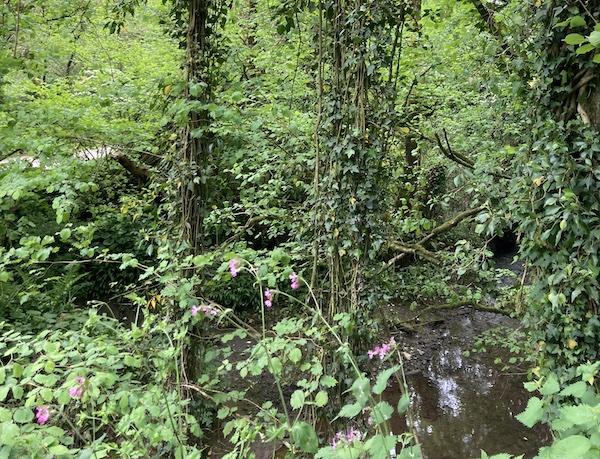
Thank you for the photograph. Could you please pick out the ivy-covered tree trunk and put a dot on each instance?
(559, 214)
(356, 120)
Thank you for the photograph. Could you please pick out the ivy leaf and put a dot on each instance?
(305, 437)
(533, 413)
(574, 39)
(382, 379)
(596, 59)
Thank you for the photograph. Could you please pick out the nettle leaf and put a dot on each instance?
(382, 412)
(328, 381)
(577, 389)
(574, 39)
(403, 403)
(382, 379)
(551, 386)
(533, 413)
(578, 415)
(321, 398)
(350, 410)
(573, 447)
(379, 446)
(297, 399)
(361, 389)
(295, 355)
(305, 437)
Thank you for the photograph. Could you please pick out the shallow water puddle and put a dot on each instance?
(461, 405)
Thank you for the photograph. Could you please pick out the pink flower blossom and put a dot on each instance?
(233, 267)
(42, 414)
(268, 298)
(207, 310)
(350, 436)
(295, 284)
(383, 349)
(76, 391)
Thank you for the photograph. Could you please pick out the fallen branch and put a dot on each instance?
(459, 157)
(415, 249)
(139, 172)
(419, 249)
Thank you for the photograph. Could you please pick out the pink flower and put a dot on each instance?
(233, 268)
(382, 350)
(350, 436)
(295, 284)
(76, 391)
(207, 310)
(268, 298)
(42, 414)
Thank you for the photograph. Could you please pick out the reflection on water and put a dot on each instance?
(461, 405)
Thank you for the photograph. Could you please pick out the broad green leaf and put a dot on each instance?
(584, 49)
(382, 412)
(573, 447)
(574, 39)
(297, 399)
(305, 437)
(382, 379)
(295, 355)
(580, 414)
(350, 410)
(361, 389)
(578, 21)
(595, 38)
(403, 403)
(379, 446)
(23, 415)
(321, 398)
(59, 450)
(533, 413)
(328, 381)
(551, 386)
(577, 389)
(596, 59)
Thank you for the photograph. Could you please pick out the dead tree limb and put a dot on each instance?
(139, 172)
(419, 247)
(459, 157)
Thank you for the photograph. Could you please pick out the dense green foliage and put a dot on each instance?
(206, 207)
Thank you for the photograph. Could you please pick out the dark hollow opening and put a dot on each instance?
(505, 244)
